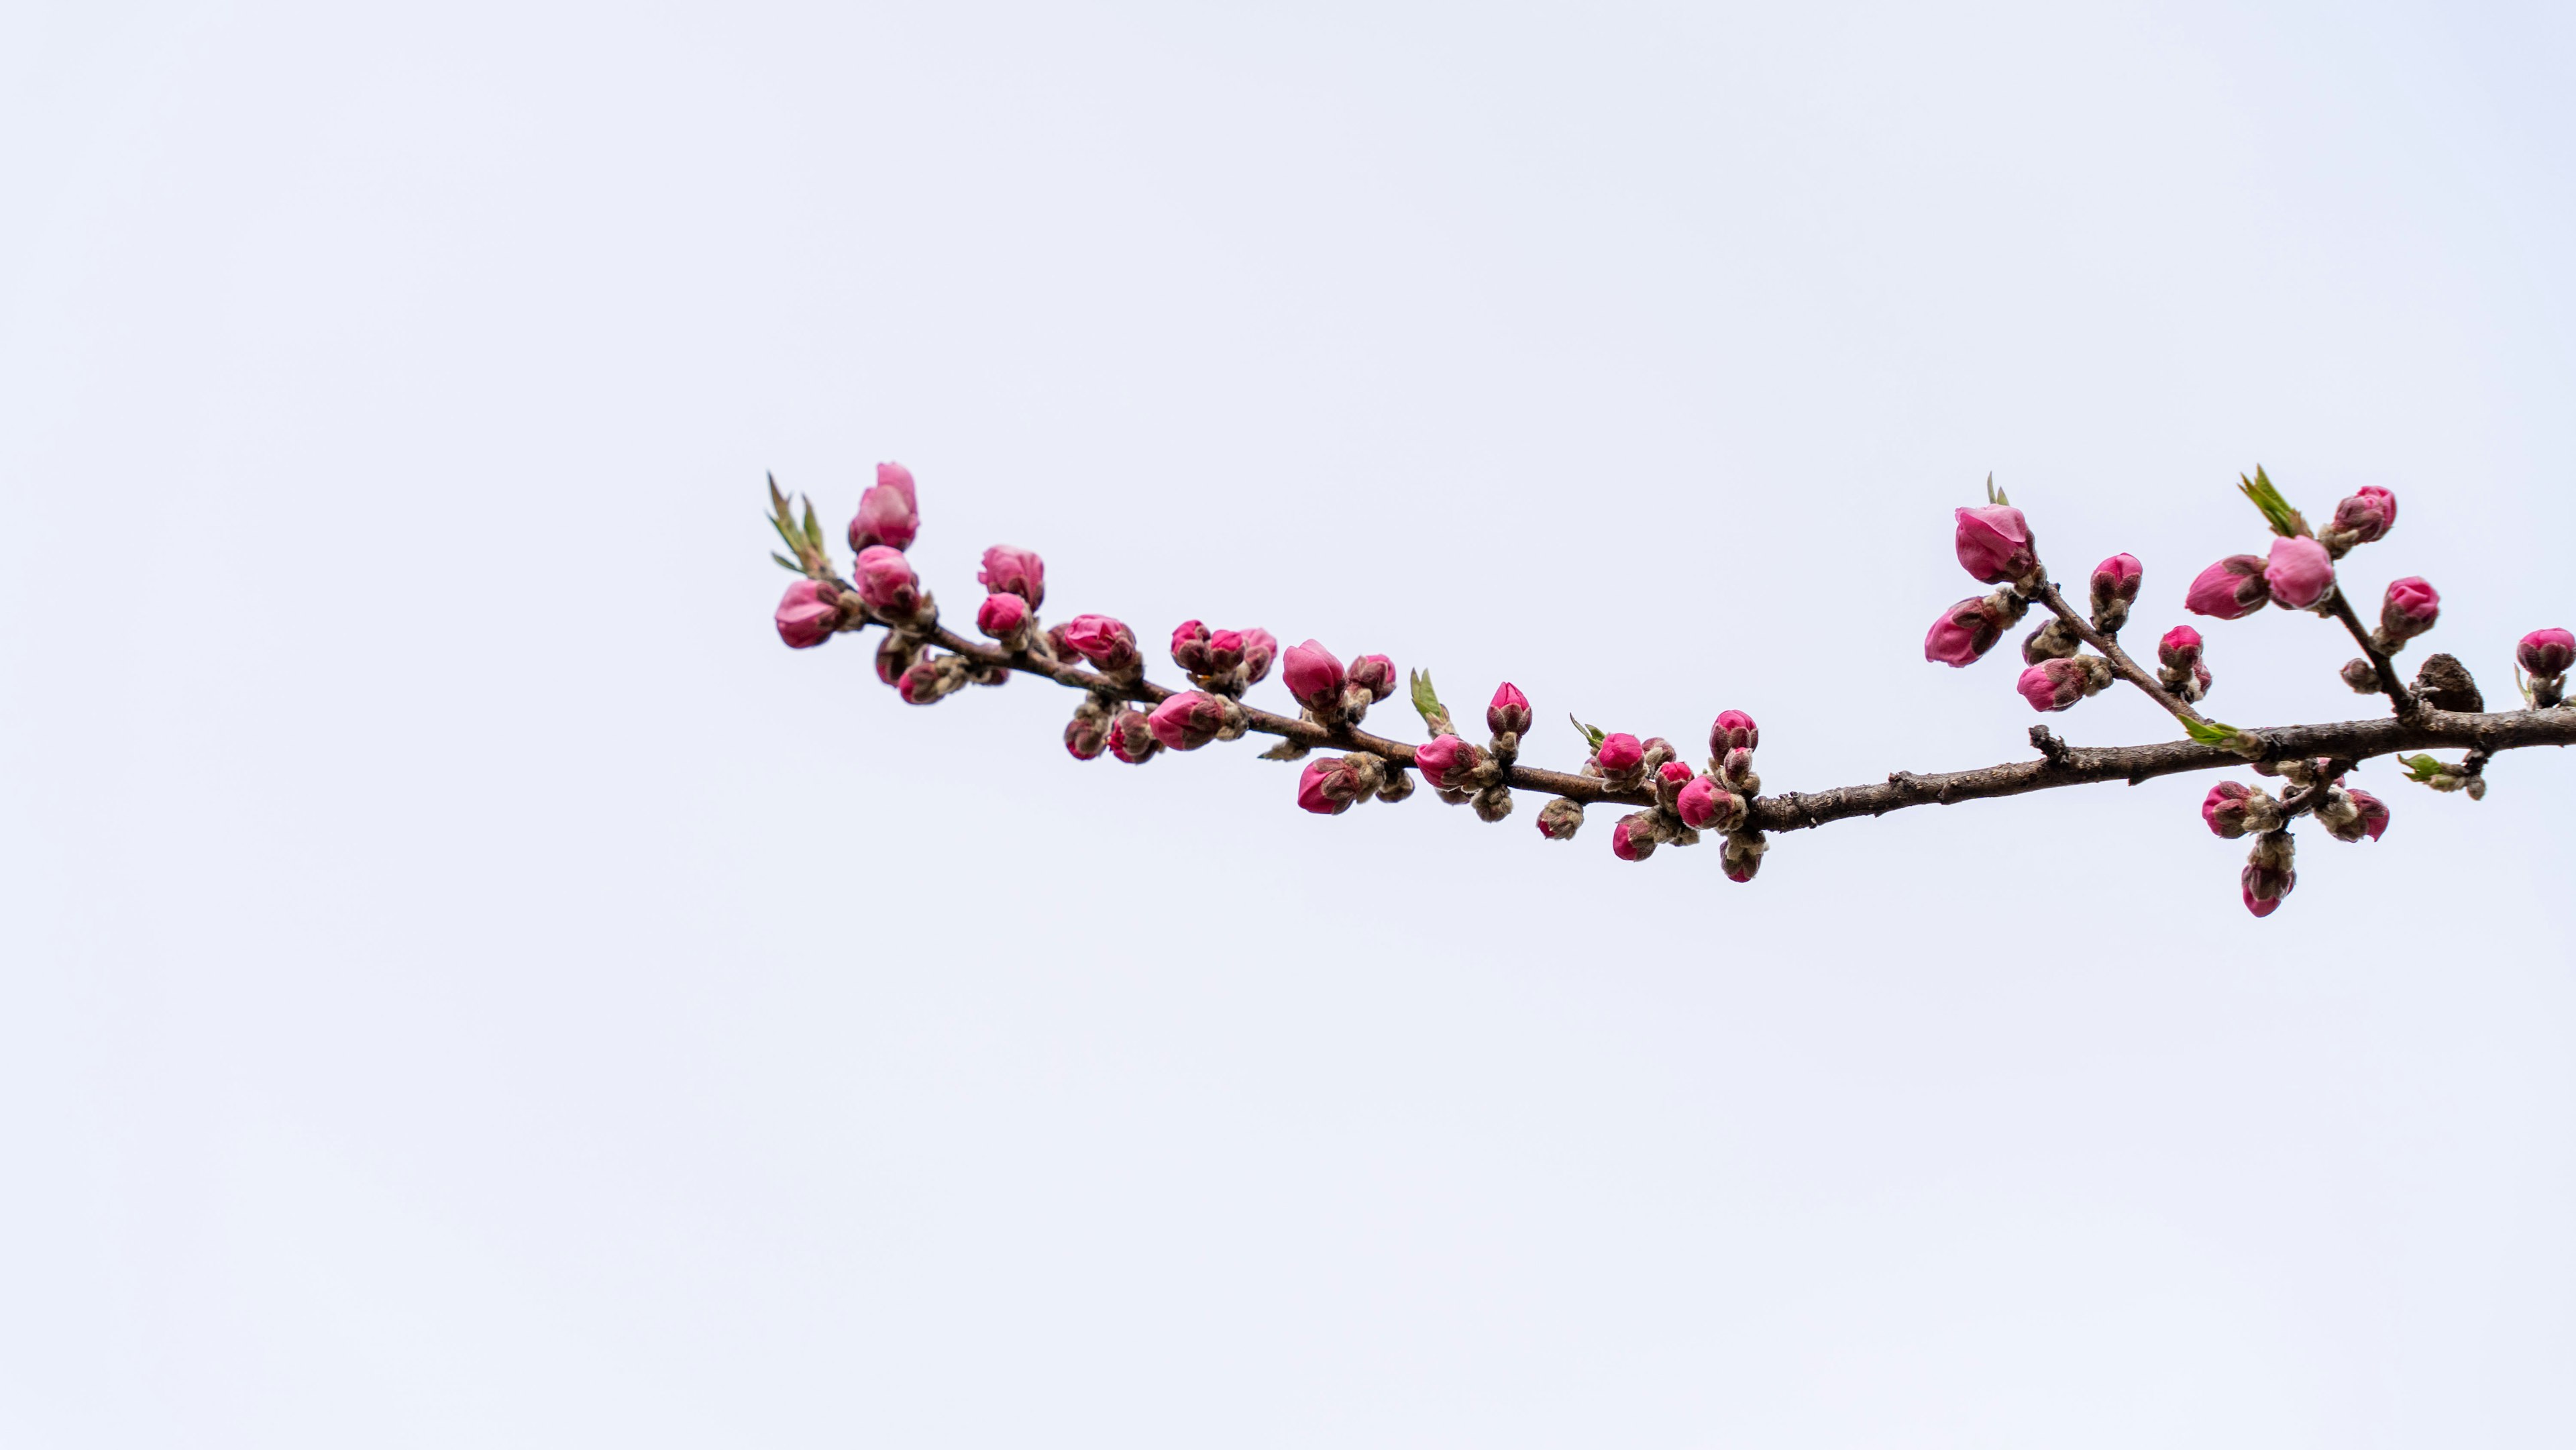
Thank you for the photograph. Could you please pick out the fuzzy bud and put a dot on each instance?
(2051, 641)
(1131, 736)
(1314, 677)
(2410, 607)
(808, 613)
(1619, 758)
(1707, 805)
(1636, 836)
(1493, 804)
(2361, 675)
(1734, 730)
(2547, 652)
(1995, 545)
(1969, 628)
(2115, 587)
(1398, 786)
(1510, 711)
(1657, 750)
(1321, 788)
(2366, 517)
(1450, 763)
(2058, 684)
(1559, 819)
(1190, 650)
(2232, 808)
(2371, 818)
(1187, 720)
(2180, 648)
(1104, 641)
(2267, 877)
(1086, 736)
(1260, 647)
(1741, 856)
(888, 512)
(887, 584)
(1375, 674)
(1002, 616)
(896, 654)
(930, 680)
(1009, 570)
(1736, 770)
(2230, 589)
(2300, 573)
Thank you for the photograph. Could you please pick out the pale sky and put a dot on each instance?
(462, 982)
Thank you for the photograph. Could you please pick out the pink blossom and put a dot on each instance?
(2368, 515)
(2546, 652)
(1001, 616)
(1190, 649)
(888, 513)
(2180, 648)
(2229, 589)
(1994, 544)
(1673, 773)
(1964, 632)
(1631, 839)
(1375, 674)
(1131, 736)
(1509, 713)
(2410, 607)
(1619, 754)
(1705, 805)
(1314, 677)
(1260, 647)
(2053, 684)
(2300, 573)
(2117, 577)
(923, 684)
(2223, 809)
(1449, 763)
(1317, 786)
(1187, 720)
(887, 583)
(1734, 730)
(807, 614)
(1014, 571)
(2265, 886)
(1102, 640)
(1085, 736)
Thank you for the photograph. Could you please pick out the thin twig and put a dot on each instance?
(2121, 665)
(2389, 683)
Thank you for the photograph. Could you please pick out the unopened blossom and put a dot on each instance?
(1102, 640)
(1449, 763)
(1190, 650)
(1969, 628)
(2367, 515)
(896, 654)
(1994, 544)
(2116, 579)
(1086, 736)
(2230, 589)
(2299, 573)
(927, 682)
(2547, 652)
(2051, 641)
(1187, 720)
(1635, 837)
(1318, 788)
(1492, 805)
(2058, 684)
(2268, 876)
(2410, 607)
(1009, 570)
(2374, 815)
(2180, 648)
(808, 613)
(1707, 805)
(1131, 736)
(888, 513)
(1733, 730)
(886, 582)
(2225, 809)
(1560, 818)
(1741, 856)
(1259, 649)
(1373, 673)
(1002, 616)
(1735, 768)
(1509, 713)
(1314, 677)
(1619, 755)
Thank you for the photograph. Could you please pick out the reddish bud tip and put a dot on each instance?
(1100, 639)
(1193, 649)
(808, 613)
(1620, 754)
(888, 513)
(1994, 544)
(2180, 648)
(886, 582)
(2547, 652)
(2116, 580)
(1509, 712)
(2368, 515)
(1314, 676)
(2299, 573)
(1373, 673)
(1002, 616)
(1009, 570)
(2410, 607)
(2230, 589)
(1187, 720)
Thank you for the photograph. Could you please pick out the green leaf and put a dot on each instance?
(1994, 494)
(1426, 702)
(1593, 735)
(813, 530)
(777, 500)
(787, 533)
(790, 565)
(2210, 732)
(2422, 769)
(2285, 520)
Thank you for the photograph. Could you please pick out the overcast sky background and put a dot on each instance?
(466, 984)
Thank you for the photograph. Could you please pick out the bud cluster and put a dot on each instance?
(1331, 694)
(1336, 783)
(1223, 661)
(1688, 802)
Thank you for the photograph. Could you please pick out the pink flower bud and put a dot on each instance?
(1187, 720)
(2180, 648)
(1131, 736)
(923, 684)
(1103, 641)
(1449, 763)
(1190, 649)
(1969, 628)
(1375, 674)
(1314, 677)
(2300, 573)
(2232, 588)
(2054, 684)
(1620, 755)
(2369, 514)
(1741, 855)
(1315, 788)
(888, 513)
(2547, 652)
(1995, 545)
(1673, 773)
(895, 655)
(2374, 811)
(1002, 616)
(1734, 730)
(2267, 877)
(1633, 839)
(1510, 711)
(1559, 819)
(887, 583)
(1085, 736)
(1706, 805)
(1014, 571)
(2410, 607)
(2117, 579)
(808, 613)
(2224, 809)
(1259, 649)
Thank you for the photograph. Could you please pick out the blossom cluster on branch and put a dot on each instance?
(2069, 657)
